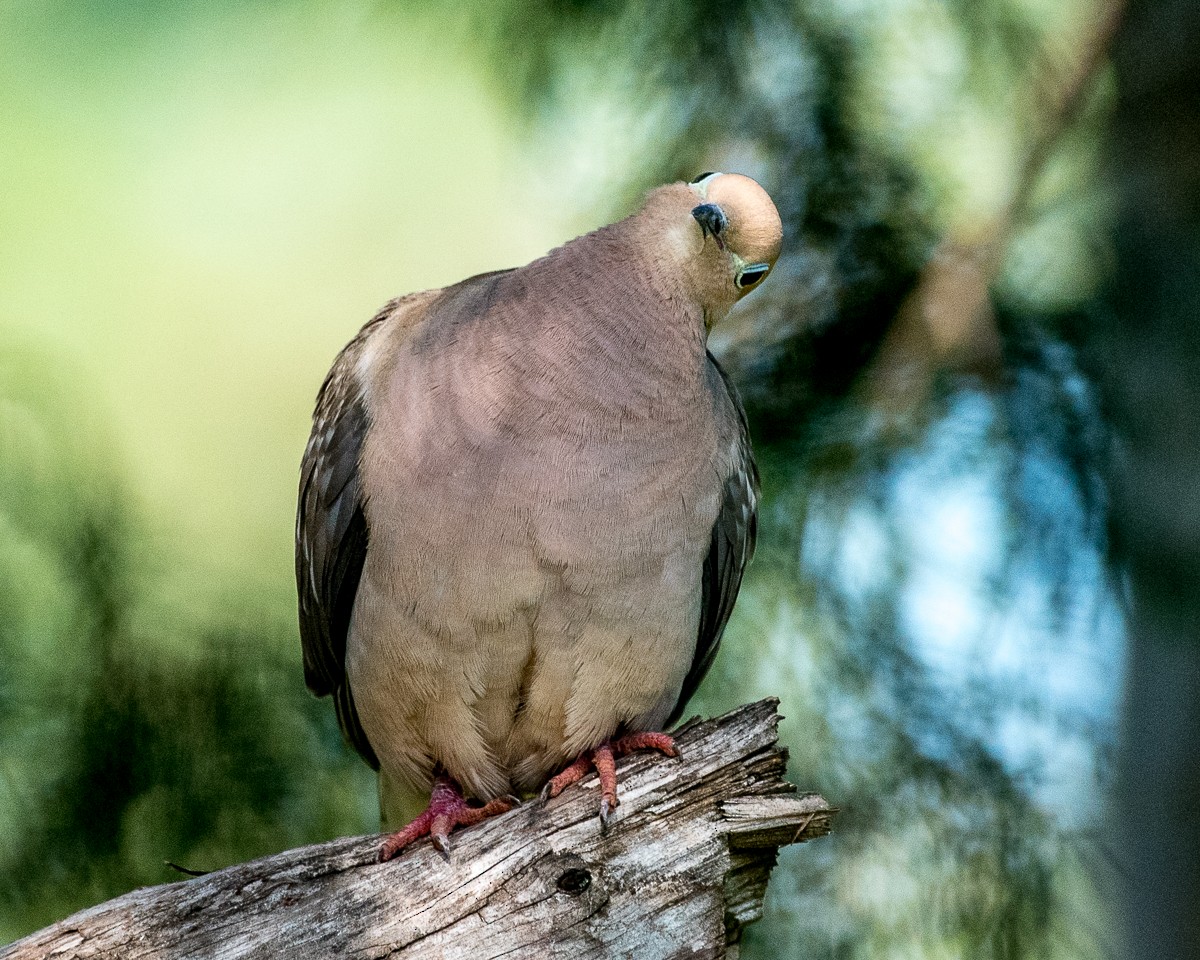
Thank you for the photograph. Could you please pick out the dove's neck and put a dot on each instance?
(609, 327)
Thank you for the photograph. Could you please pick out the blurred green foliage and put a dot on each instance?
(209, 201)
(128, 744)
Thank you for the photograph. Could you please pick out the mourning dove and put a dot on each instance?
(526, 506)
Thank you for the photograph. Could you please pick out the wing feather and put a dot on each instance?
(332, 532)
(732, 545)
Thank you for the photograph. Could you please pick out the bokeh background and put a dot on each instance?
(971, 383)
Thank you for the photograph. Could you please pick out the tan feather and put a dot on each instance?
(557, 493)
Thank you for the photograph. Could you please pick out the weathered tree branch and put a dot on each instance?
(682, 868)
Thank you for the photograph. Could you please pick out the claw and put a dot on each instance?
(447, 809)
(441, 843)
(572, 774)
(602, 759)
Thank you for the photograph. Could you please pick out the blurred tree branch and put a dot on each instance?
(947, 321)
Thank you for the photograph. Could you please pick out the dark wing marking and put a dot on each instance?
(332, 534)
(331, 524)
(732, 545)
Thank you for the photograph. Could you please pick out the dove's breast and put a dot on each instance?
(537, 537)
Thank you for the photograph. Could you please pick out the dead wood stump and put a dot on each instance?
(683, 867)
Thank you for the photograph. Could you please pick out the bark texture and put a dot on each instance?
(683, 867)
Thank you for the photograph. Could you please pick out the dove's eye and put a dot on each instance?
(751, 275)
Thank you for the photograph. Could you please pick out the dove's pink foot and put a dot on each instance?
(447, 809)
(603, 760)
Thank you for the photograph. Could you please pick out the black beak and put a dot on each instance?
(712, 221)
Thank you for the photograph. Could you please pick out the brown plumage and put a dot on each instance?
(528, 500)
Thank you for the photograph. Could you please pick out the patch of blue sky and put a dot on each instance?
(1004, 599)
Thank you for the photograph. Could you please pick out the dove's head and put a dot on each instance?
(725, 237)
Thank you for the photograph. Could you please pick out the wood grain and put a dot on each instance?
(683, 867)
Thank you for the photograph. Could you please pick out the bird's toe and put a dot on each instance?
(447, 809)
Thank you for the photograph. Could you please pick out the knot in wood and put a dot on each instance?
(574, 881)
